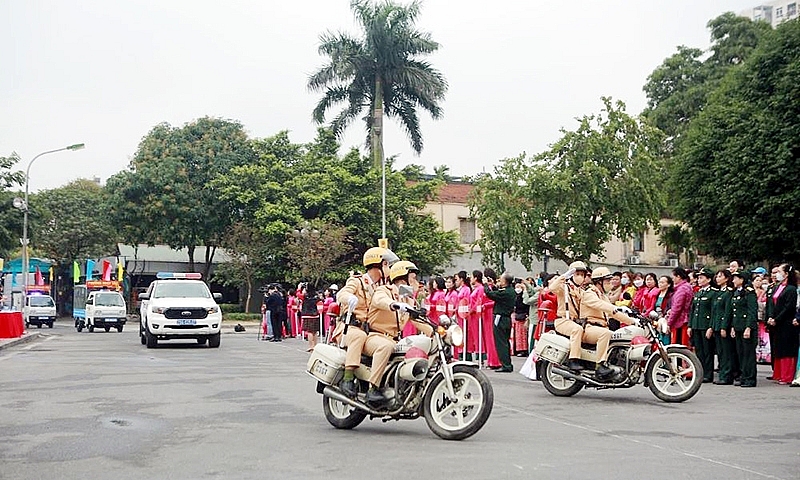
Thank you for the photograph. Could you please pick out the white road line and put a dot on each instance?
(633, 440)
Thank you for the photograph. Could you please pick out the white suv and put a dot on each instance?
(179, 305)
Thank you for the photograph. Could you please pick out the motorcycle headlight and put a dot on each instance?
(455, 336)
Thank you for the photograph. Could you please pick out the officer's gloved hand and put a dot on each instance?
(568, 274)
(352, 302)
(399, 306)
(625, 310)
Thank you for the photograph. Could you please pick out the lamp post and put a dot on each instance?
(25, 258)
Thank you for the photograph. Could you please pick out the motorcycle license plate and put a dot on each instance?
(320, 369)
(184, 321)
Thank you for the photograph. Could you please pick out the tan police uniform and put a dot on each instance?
(363, 288)
(385, 326)
(596, 308)
(567, 311)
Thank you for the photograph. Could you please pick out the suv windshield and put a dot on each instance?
(109, 300)
(178, 289)
(42, 301)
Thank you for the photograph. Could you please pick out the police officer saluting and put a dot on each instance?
(356, 296)
(700, 326)
(744, 320)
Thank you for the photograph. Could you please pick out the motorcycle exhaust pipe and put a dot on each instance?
(336, 395)
(414, 370)
(577, 378)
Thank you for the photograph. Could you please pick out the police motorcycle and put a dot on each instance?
(421, 380)
(673, 373)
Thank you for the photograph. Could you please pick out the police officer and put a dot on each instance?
(721, 323)
(700, 326)
(387, 316)
(596, 309)
(568, 291)
(356, 296)
(744, 320)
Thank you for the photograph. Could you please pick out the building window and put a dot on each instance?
(466, 228)
(791, 9)
(638, 242)
(779, 12)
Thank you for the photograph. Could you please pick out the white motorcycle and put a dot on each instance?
(672, 372)
(421, 379)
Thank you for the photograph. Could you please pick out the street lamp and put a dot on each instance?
(25, 258)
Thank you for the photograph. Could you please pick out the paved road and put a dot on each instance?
(101, 405)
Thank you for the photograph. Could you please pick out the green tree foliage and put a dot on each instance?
(315, 249)
(69, 223)
(169, 193)
(679, 88)
(736, 172)
(291, 183)
(246, 247)
(10, 217)
(600, 180)
(381, 71)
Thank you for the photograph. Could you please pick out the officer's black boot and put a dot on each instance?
(348, 384)
(575, 365)
(375, 397)
(604, 372)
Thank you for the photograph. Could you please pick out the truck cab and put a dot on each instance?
(105, 309)
(39, 309)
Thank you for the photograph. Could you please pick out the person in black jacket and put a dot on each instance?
(505, 299)
(277, 312)
(782, 324)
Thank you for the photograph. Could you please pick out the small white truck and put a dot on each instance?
(39, 309)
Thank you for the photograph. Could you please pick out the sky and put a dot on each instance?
(105, 73)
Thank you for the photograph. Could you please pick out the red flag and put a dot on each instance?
(38, 276)
(106, 271)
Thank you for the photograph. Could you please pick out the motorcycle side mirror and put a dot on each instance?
(654, 315)
(406, 291)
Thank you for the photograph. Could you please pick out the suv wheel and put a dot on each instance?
(141, 335)
(213, 340)
(150, 340)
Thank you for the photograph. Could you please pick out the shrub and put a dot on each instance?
(241, 317)
(230, 307)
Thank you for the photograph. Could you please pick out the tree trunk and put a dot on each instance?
(249, 295)
(376, 136)
(210, 252)
(190, 250)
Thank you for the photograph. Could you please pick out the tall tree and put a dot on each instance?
(380, 71)
(10, 218)
(600, 180)
(172, 176)
(314, 249)
(736, 172)
(246, 247)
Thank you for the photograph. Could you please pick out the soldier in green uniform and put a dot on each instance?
(700, 331)
(744, 319)
(721, 323)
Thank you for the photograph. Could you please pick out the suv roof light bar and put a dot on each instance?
(175, 275)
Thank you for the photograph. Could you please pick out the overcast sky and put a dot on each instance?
(105, 72)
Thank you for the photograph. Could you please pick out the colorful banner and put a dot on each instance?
(52, 273)
(106, 275)
(119, 270)
(38, 279)
(89, 270)
(76, 273)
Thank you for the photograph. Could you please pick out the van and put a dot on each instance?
(105, 309)
(39, 310)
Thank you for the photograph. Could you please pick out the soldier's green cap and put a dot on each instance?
(744, 275)
(706, 272)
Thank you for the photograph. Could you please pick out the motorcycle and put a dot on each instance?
(421, 379)
(673, 373)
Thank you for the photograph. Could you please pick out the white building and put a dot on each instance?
(774, 13)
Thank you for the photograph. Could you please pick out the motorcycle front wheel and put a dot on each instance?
(555, 383)
(341, 415)
(463, 418)
(679, 387)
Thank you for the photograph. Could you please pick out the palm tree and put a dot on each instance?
(380, 70)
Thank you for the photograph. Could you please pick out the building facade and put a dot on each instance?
(774, 13)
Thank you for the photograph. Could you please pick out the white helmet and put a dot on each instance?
(333, 287)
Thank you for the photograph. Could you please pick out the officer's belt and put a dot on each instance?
(596, 322)
(359, 324)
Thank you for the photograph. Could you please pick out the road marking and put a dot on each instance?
(633, 440)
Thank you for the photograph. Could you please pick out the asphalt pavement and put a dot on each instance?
(101, 405)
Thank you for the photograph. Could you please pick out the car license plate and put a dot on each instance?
(186, 321)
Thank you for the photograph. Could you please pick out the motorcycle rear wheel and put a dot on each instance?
(555, 383)
(341, 415)
(684, 385)
(457, 421)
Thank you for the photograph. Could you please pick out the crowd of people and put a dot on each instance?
(735, 316)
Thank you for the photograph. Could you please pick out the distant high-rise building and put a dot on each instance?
(774, 13)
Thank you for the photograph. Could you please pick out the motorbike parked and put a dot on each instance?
(421, 379)
(673, 373)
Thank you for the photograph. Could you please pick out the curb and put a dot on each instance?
(25, 338)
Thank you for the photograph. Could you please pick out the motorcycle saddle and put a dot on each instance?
(585, 346)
